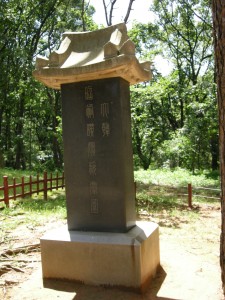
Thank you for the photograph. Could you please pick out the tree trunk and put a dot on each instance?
(218, 9)
(109, 8)
(145, 161)
(54, 100)
(214, 147)
(20, 158)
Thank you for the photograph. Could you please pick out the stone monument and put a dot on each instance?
(103, 244)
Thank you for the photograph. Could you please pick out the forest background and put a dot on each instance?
(174, 117)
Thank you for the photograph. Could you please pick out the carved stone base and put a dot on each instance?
(128, 260)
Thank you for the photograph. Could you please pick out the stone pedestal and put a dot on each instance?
(128, 260)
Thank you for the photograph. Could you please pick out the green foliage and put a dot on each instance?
(148, 122)
(178, 177)
(174, 118)
(29, 112)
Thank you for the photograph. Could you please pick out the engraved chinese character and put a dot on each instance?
(94, 206)
(90, 129)
(90, 111)
(93, 188)
(105, 129)
(91, 149)
(105, 110)
(92, 168)
(88, 93)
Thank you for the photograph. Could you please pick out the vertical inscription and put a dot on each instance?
(105, 126)
(94, 206)
(88, 91)
(105, 110)
(105, 129)
(90, 129)
(90, 111)
(102, 110)
(93, 188)
(91, 148)
(92, 168)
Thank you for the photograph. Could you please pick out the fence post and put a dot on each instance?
(45, 185)
(37, 184)
(57, 181)
(190, 195)
(14, 188)
(22, 186)
(51, 182)
(6, 190)
(30, 184)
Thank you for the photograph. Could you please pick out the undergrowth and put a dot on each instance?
(158, 191)
(177, 178)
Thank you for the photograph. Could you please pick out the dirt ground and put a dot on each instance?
(189, 250)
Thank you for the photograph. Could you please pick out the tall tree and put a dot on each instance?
(185, 27)
(182, 33)
(28, 28)
(218, 8)
(109, 8)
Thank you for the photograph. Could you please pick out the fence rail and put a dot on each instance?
(34, 185)
(190, 193)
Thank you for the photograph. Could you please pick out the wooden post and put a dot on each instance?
(6, 190)
(57, 181)
(38, 184)
(51, 182)
(22, 187)
(190, 195)
(30, 183)
(45, 185)
(14, 188)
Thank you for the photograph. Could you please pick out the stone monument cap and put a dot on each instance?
(92, 55)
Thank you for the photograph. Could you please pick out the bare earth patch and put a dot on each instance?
(189, 249)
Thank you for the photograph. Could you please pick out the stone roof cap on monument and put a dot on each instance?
(92, 55)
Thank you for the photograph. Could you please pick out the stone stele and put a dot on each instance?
(103, 244)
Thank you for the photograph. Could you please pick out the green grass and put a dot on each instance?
(17, 175)
(177, 178)
(164, 181)
(11, 173)
(153, 198)
(163, 190)
(33, 211)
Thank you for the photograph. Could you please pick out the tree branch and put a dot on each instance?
(128, 11)
(82, 15)
(113, 2)
(105, 9)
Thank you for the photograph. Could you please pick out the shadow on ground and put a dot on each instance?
(84, 292)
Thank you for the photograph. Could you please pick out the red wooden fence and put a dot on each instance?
(190, 193)
(34, 185)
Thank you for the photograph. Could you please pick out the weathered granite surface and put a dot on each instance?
(98, 155)
(129, 260)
